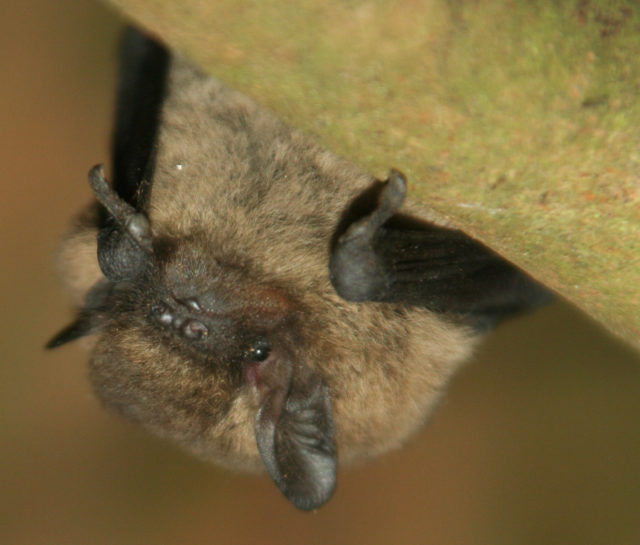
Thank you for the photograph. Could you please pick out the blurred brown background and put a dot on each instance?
(538, 441)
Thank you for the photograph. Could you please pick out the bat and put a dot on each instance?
(259, 300)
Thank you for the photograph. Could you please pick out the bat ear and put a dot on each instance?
(294, 433)
(124, 243)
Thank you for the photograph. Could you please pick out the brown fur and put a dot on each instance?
(252, 207)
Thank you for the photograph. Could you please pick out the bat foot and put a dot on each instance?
(389, 201)
(357, 272)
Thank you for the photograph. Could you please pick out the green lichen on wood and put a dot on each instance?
(518, 121)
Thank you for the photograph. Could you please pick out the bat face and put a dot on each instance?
(197, 346)
(211, 306)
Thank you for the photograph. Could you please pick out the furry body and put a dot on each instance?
(243, 214)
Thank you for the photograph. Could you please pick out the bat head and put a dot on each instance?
(195, 348)
(210, 309)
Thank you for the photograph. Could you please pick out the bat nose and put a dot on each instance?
(194, 329)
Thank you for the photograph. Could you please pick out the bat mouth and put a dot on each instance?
(181, 323)
(205, 331)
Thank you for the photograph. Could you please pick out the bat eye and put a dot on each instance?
(259, 351)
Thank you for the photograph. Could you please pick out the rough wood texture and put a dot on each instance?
(517, 121)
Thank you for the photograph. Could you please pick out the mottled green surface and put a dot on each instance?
(518, 121)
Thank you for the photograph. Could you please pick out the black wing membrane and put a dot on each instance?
(141, 90)
(386, 258)
(124, 237)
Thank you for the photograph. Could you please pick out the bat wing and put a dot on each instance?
(387, 258)
(124, 238)
(141, 90)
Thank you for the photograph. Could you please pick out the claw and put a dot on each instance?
(389, 201)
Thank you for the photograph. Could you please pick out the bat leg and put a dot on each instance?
(385, 257)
